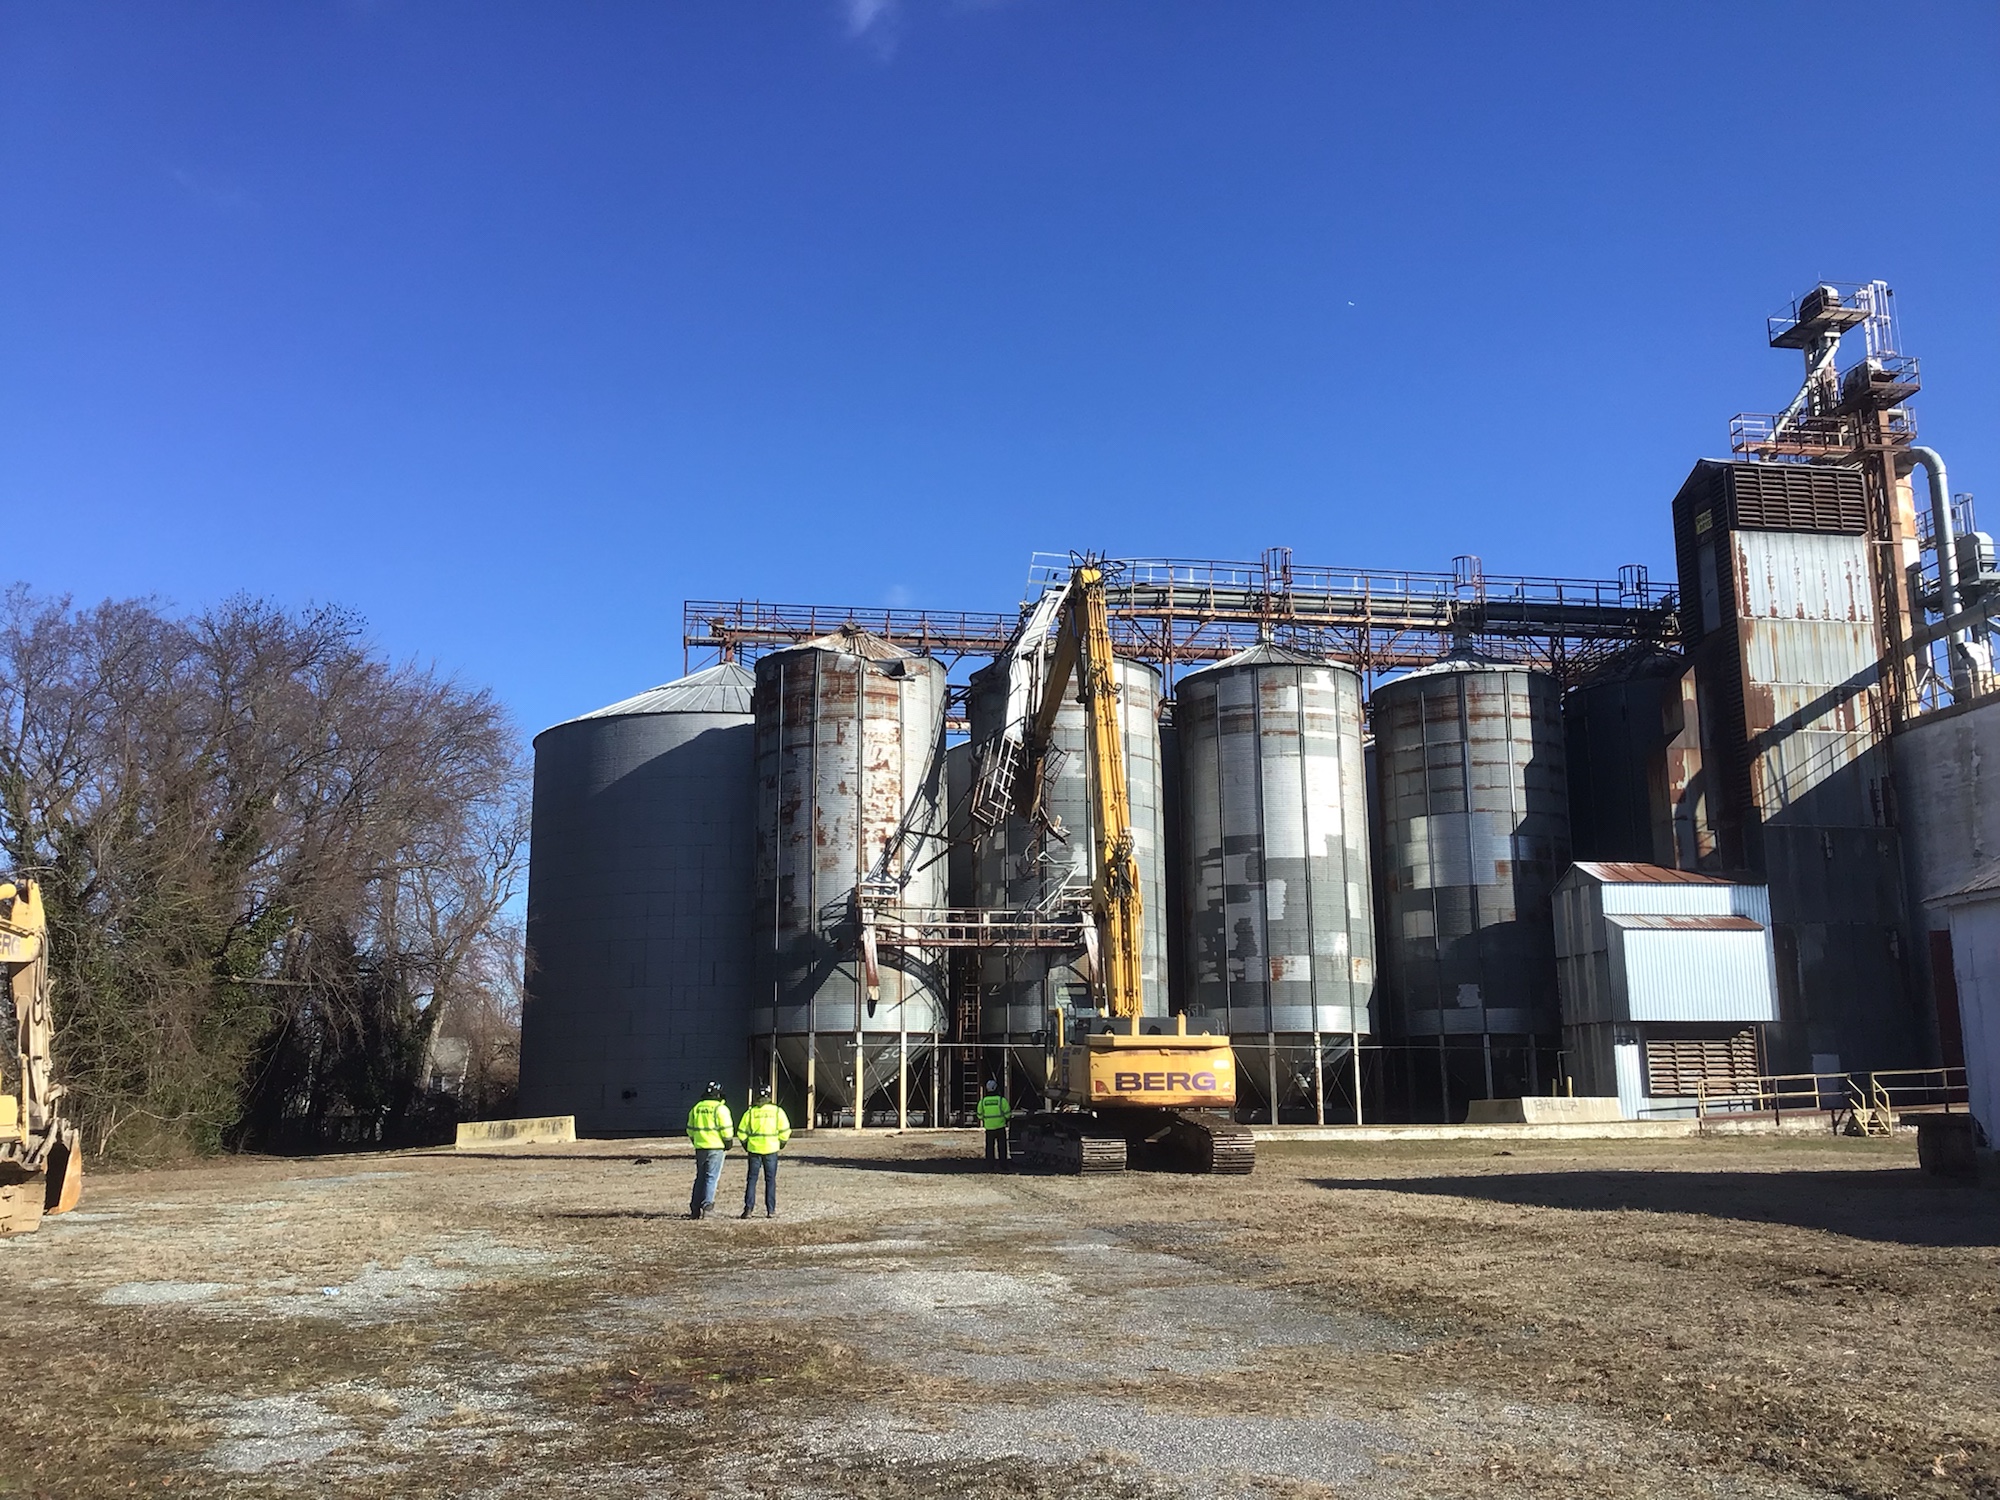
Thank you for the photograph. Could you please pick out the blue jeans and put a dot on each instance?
(707, 1175)
(767, 1162)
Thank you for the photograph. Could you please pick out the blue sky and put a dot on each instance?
(511, 325)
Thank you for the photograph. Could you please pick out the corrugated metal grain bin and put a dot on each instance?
(1475, 829)
(1667, 977)
(850, 788)
(1019, 867)
(640, 957)
(1279, 945)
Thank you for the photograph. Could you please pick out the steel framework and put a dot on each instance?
(1174, 613)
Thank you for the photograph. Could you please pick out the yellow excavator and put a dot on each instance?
(1123, 1090)
(41, 1169)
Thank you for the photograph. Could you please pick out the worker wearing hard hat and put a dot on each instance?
(709, 1128)
(764, 1132)
(994, 1113)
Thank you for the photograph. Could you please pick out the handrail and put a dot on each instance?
(1890, 1091)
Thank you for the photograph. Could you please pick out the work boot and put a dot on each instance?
(769, 1213)
(745, 1214)
(694, 1213)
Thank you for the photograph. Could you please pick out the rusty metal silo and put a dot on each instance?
(850, 808)
(1474, 801)
(1279, 943)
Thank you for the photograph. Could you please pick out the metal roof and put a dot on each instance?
(1682, 922)
(721, 689)
(1265, 654)
(1982, 886)
(852, 640)
(1614, 872)
(1466, 661)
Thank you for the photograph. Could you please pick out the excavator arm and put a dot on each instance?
(1082, 649)
(41, 1169)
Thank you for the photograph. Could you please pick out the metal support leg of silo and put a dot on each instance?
(902, 1080)
(812, 1080)
(860, 1077)
(1354, 1051)
(1319, 1084)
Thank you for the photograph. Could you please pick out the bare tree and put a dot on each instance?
(274, 860)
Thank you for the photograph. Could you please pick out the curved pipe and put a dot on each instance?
(1946, 542)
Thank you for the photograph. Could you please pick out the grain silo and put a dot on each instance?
(850, 798)
(1474, 824)
(1279, 941)
(1019, 867)
(639, 895)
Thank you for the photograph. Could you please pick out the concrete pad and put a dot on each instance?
(1606, 1130)
(1591, 1109)
(546, 1130)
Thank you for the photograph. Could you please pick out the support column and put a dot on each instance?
(903, 1080)
(1355, 1053)
(860, 1076)
(1319, 1083)
(812, 1080)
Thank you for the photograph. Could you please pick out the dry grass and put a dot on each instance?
(1735, 1318)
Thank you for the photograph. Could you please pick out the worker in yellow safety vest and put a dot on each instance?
(764, 1132)
(709, 1129)
(994, 1113)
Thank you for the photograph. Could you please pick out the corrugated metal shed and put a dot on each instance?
(1974, 910)
(1639, 943)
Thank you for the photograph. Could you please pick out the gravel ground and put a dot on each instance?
(1738, 1318)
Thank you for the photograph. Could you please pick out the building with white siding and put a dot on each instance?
(1667, 979)
(1974, 912)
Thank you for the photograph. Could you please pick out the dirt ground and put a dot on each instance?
(1752, 1317)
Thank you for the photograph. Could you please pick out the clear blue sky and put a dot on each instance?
(513, 325)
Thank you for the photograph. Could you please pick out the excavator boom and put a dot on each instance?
(1083, 650)
(1161, 1098)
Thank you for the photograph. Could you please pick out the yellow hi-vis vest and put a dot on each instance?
(708, 1125)
(764, 1129)
(994, 1112)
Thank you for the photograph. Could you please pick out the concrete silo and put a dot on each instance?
(1474, 802)
(1279, 941)
(639, 898)
(850, 773)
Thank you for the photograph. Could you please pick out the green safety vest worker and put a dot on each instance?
(765, 1129)
(709, 1125)
(994, 1111)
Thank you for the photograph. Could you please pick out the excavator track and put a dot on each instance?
(1198, 1141)
(1073, 1144)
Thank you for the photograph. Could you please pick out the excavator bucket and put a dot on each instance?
(65, 1169)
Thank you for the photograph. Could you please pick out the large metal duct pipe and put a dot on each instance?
(1957, 650)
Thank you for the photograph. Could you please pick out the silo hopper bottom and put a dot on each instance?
(823, 1066)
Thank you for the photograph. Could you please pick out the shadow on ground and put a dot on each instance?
(920, 1166)
(1897, 1207)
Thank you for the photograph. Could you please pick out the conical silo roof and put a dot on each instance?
(1466, 661)
(852, 640)
(721, 689)
(1264, 654)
